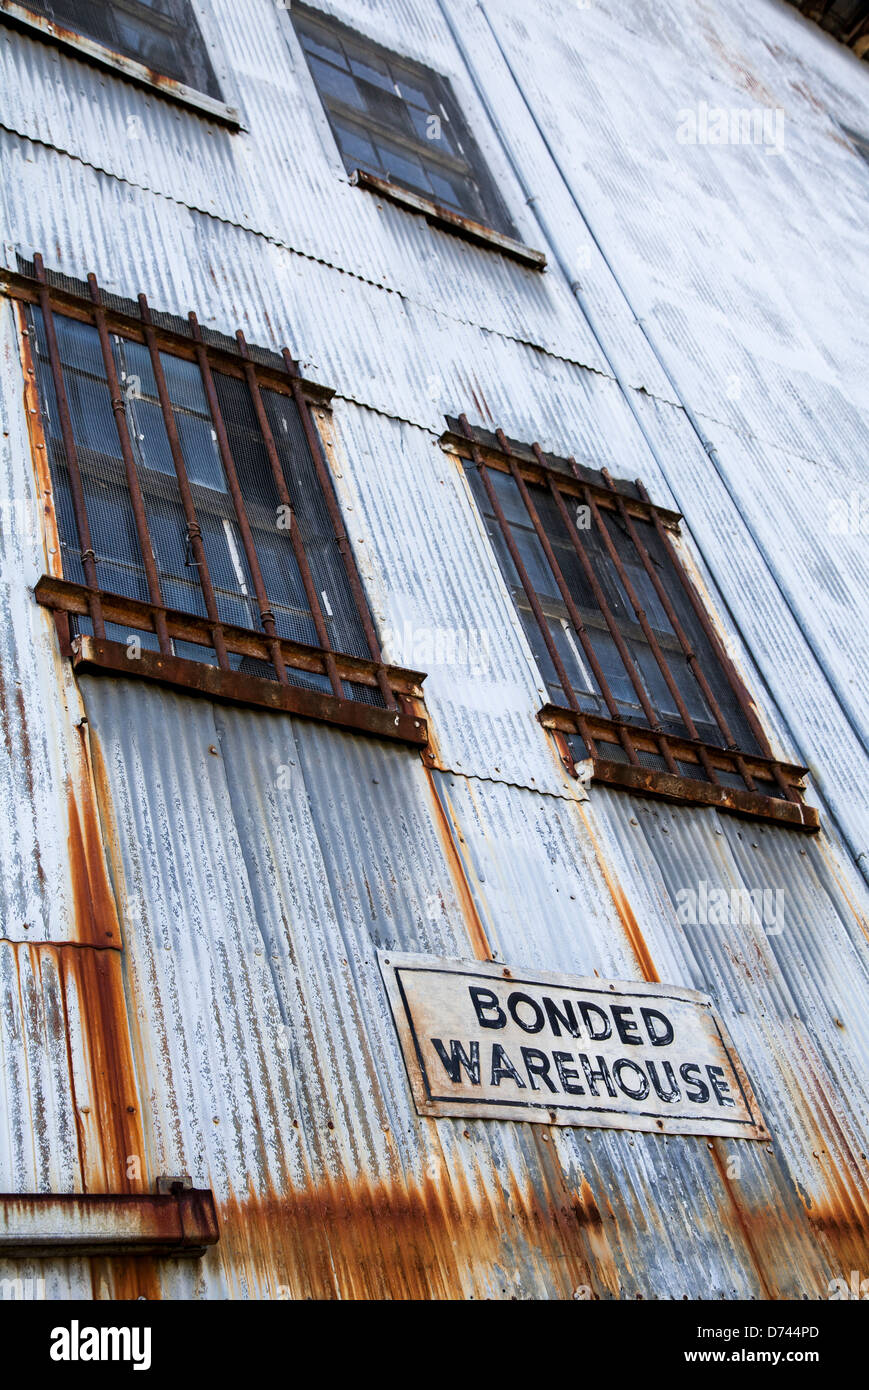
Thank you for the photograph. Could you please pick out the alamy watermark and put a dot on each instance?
(424, 647)
(735, 907)
(732, 125)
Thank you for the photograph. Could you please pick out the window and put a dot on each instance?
(199, 537)
(638, 681)
(161, 35)
(394, 119)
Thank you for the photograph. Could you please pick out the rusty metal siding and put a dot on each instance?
(251, 864)
(268, 872)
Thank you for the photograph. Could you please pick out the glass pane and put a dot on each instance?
(322, 44)
(374, 70)
(332, 82)
(356, 148)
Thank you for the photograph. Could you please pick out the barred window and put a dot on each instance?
(162, 35)
(195, 517)
(638, 680)
(396, 119)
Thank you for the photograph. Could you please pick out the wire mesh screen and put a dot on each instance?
(618, 634)
(229, 558)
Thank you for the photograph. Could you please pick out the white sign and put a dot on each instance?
(482, 1040)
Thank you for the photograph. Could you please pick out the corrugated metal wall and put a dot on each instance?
(251, 864)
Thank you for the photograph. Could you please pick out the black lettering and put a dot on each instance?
(537, 1064)
(484, 1001)
(457, 1059)
(672, 1093)
(586, 1010)
(658, 1039)
(701, 1095)
(556, 1017)
(502, 1066)
(513, 1002)
(720, 1086)
(643, 1088)
(592, 1076)
(567, 1073)
(626, 1028)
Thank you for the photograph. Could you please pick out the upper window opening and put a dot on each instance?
(399, 121)
(195, 518)
(162, 35)
(637, 677)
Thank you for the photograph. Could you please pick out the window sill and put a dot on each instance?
(647, 781)
(41, 27)
(685, 789)
(90, 654)
(440, 216)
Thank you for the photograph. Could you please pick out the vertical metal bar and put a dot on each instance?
(194, 531)
(324, 478)
(608, 617)
(718, 648)
(308, 584)
(654, 647)
(570, 605)
(267, 617)
(134, 487)
(681, 636)
(530, 594)
(76, 487)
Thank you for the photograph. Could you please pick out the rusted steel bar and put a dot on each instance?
(530, 594)
(645, 627)
(718, 647)
(606, 612)
(327, 489)
(573, 611)
(76, 487)
(307, 578)
(267, 617)
(681, 636)
(194, 532)
(65, 596)
(134, 486)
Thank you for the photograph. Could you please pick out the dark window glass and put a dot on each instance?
(621, 610)
(119, 563)
(395, 119)
(161, 34)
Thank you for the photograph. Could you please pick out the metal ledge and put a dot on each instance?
(651, 782)
(196, 678)
(40, 26)
(46, 1224)
(450, 221)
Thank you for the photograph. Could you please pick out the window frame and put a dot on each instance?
(568, 721)
(471, 166)
(21, 17)
(403, 717)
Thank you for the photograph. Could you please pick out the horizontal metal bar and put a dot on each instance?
(466, 227)
(650, 782)
(47, 1224)
(231, 687)
(535, 472)
(62, 595)
(685, 749)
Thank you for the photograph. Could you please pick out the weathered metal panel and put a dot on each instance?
(258, 862)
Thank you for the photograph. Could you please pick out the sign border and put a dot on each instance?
(393, 963)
